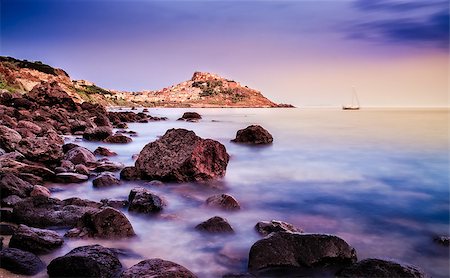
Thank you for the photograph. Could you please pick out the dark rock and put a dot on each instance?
(191, 116)
(6, 214)
(20, 262)
(35, 240)
(215, 224)
(266, 227)
(253, 134)
(86, 261)
(182, 156)
(104, 152)
(41, 149)
(7, 229)
(80, 155)
(144, 201)
(10, 201)
(239, 275)
(285, 249)
(442, 240)
(67, 147)
(223, 201)
(122, 125)
(157, 268)
(129, 173)
(52, 95)
(118, 139)
(97, 134)
(117, 204)
(381, 268)
(12, 185)
(82, 169)
(70, 178)
(105, 179)
(106, 223)
(9, 138)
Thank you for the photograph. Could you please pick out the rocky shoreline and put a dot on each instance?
(34, 154)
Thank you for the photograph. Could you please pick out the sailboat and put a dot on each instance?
(355, 102)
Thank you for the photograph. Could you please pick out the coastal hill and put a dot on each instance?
(202, 90)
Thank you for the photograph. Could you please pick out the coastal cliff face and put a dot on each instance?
(202, 90)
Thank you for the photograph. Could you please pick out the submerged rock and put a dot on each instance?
(104, 152)
(285, 249)
(182, 156)
(215, 224)
(253, 134)
(191, 117)
(382, 269)
(20, 262)
(267, 227)
(97, 134)
(223, 201)
(157, 268)
(129, 173)
(38, 241)
(118, 139)
(86, 261)
(105, 179)
(144, 201)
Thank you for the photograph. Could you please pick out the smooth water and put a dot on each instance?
(377, 178)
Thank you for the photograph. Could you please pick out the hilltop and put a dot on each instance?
(202, 90)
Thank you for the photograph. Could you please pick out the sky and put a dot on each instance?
(307, 53)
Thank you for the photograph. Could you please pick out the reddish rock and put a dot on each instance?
(144, 201)
(157, 268)
(80, 155)
(52, 95)
(9, 138)
(41, 149)
(12, 185)
(215, 224)
(97, 134)
(104, 152)
(223, 201)
(118, 139)
(182, 156)
(266, 227)
(105, 180)
(253, 134)
(129, 173)
(70, 178)
(39, 190)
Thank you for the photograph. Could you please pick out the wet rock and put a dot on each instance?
(223, 201)
(144, 201)
(157, 268)
(80, 155)
(45, 212)
(9, 138)
(381, 268)
(105, 180)
(108, 166)
(215, 224)
(106, 223)
(41, 149)
(39, 190)
(86, 261)
(10, 201)
(97, 134)
(70, 178)
(266, 227)
(118, 139)
(12, 185)
(37, 241)
(442, 240)
(20, 262)
(253, 134)
(82, 169)
(129, 173)
(182, 156)
(285, 249)
(67, 147)
(104, 152)
(117, 204)
(191, 116)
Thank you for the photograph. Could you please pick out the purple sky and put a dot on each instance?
(302, 52)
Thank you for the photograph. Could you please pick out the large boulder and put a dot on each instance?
(52, 95)
(157, 268)
(86, 261)
(223, 201)
(382, 269)
(142, 200)
(215, 224)
(12, 185)
(106, 223)
(79, 155)
(285, 249)
(182, 156)
(44, 212)
(266, 227)
(253, 134)
(9, 138)
(20, 262)
(97, 134)
(39, 190)
(38, 241)
(41, 149)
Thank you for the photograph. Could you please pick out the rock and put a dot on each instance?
(44, 212)
(118, 139)
(34, 128)
(86, 261)
(442, 240)
(215, 224)
(117, 204)
(239, 275)
(41, 149)
(122, 125)
(106, 223)
(39, 190)
(109, 166)
(68, 165)
(381, 268)
(285, 249)
(253, 134)
(20, 262)
(52, 95)
(12, 185)
(191, 116)
(7, 229)
(37, 241)
(11, 201)
(1, 242)
(82, 169)
(80, 155)
(155, 183)
(266, 227)
(157, 268)
(182, 156)
(144, 201)
(9, 138)
(97, 134)
(67, 147)
(70, 178)
(6, 214)
(105, 179)
(223, 201)
(129, 173)
(104, 152)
